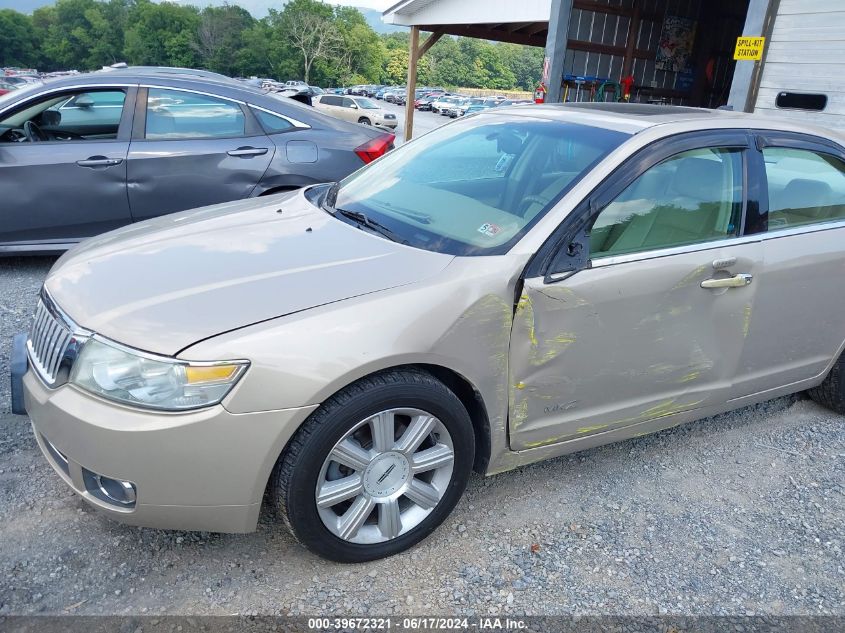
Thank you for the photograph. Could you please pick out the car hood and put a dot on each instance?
(164, 284)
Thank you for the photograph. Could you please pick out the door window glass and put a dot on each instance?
(69, 116)
(692, 197)
(175, 114)
(348, 103)
(804, 187)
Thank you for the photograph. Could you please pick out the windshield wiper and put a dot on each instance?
(363, 220)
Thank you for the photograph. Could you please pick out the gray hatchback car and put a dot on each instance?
(87, 154)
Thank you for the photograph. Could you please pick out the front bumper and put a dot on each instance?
(201, 470)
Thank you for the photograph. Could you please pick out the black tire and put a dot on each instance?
(831, 393)
(364, 121)
(295, 476)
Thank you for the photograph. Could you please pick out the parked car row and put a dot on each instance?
(455, 105)
(393, 94)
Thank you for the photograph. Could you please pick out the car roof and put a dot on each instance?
(633, 118)
(225, 87)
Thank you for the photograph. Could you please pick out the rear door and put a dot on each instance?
(191, 149)
(69, 183)
(796, 325)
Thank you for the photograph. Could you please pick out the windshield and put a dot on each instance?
(367, 104)
(475, 187)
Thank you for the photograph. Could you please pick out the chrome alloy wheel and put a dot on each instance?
(385, 476)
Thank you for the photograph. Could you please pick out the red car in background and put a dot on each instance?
(5, 87)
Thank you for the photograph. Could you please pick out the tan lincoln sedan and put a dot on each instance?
(514, 286)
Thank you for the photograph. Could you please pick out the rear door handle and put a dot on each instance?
(99, 161)
(737, 281)
(247, 151)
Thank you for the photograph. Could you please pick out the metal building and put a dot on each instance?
(669, 51)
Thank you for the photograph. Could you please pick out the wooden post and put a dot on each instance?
(413, 56)
(630, 44)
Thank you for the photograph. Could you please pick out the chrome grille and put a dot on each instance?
(48, 341)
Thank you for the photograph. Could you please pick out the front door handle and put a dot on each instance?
(737, 281)
(247, 151)
(99, 161)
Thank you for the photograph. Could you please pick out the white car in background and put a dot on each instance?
(357, 109)
(442, 103)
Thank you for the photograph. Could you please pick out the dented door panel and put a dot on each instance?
(621, 344)
(165, 176)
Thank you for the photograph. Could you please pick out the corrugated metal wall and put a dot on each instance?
(807, 54)
(594, 26)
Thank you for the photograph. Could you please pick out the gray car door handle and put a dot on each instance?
(737, 281)
(99, 161)
(247, 151)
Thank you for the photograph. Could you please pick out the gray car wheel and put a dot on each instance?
(364, 121)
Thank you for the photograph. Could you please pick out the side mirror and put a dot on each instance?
(354, 106)
(572, 255)
(84, 101)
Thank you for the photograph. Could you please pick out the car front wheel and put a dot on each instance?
(364, 121)
(376, 468)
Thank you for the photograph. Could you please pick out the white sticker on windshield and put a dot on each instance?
(490, 230)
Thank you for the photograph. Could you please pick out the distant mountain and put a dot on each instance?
(258, 8)
(24, 6)
(373, 18)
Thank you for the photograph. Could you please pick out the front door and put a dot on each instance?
(655, 324)
(63, 167)
(193, 150)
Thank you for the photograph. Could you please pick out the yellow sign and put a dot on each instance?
(749, 48)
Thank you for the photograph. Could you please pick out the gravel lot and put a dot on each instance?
(737, 514)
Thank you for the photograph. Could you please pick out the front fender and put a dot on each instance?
(459, 320)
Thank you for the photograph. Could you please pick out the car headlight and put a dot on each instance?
(140, 379)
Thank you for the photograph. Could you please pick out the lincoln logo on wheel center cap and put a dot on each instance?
(386, 474)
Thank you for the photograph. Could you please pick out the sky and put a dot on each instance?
(381, 5)
(257, 7)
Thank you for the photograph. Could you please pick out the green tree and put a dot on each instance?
(360, 54)
(257, 52)
(306, 29)
(307, 38)
(18, 41)
(80, 34)
(525, 62)
(162, 34)
(219, 36)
